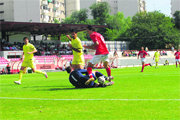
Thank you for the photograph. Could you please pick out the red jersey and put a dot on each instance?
(142, 54)
(101, 49)
(177, 54)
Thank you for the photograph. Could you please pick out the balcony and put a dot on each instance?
(46, 20)
(56, 5)
(44, 2)
(57, 14)
(45, 11)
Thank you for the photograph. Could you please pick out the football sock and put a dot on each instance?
(38, 71)
(108, 70)
(156, 64)
(142, 68)
(147, 64)
(176, 64)
(89, 70)
(20, 75)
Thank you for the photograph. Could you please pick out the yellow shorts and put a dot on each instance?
(29, 63)
(156, 59)
(78, 60)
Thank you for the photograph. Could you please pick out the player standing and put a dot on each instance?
(28, 55)
(78, 57)
(142, 55)
(101, 53)
(156, 56)
(177, 58)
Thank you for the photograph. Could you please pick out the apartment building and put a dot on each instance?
(32, 10)
(175, 6)
(128, 7)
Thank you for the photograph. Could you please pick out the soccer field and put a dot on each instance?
(151, 95)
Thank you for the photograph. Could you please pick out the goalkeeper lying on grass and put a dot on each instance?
(79, 77)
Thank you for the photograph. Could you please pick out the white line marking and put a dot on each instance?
(51, 99)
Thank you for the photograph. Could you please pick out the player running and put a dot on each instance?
(78, 57)
(142, 55)
(177, 58)
(156, 56)
(101, 53)
(28, 51)
(79, 77)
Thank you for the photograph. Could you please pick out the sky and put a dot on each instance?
(163, 6)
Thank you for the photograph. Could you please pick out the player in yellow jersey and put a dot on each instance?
(156, 56)
(28, 51)
(78, 57)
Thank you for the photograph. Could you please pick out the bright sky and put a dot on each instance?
(163, 6)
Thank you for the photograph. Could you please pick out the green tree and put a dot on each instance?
(153, 30)
(77, 17)
(177, 19)
(117, 26)
(100, 11)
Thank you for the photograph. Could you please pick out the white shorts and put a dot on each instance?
(143, 59)
(177, 60)
(98, 58)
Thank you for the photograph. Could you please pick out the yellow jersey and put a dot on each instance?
(28, 48)
(76, 43)
(156, 54)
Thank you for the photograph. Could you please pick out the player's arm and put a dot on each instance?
(69, 37)
(34, 51)
(138, 56)
(93, 46)
(22, 57)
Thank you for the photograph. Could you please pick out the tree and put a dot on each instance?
(117, 25)
(77, 17)
(100, 11)
(153, 30)
(177, 19)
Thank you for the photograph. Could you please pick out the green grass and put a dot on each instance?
(130, 83)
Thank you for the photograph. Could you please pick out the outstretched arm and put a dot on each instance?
(93, 46)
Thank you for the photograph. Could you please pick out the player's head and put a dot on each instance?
(142, 48)
(74, 34)
(26, 40)
(90, 29)
(68, 69)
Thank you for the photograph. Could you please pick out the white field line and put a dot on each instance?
(51, 99)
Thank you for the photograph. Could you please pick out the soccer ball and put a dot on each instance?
(101, 79)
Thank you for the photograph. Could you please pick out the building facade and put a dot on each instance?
(175, 6)
(32, 10)
(127, 7)
(76, 5)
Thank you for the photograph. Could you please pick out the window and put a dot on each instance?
(1, 11)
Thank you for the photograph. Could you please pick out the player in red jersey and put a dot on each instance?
(142, 55)
(177, 57)
(101, 53)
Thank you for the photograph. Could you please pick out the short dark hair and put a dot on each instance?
(90, 27)
(25, 38)
(68, 69)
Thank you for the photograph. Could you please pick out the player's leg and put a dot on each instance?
(143, 65)
(96, 59)
(31, 65)
(22, 71)
(176, 63)
(105, 60)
